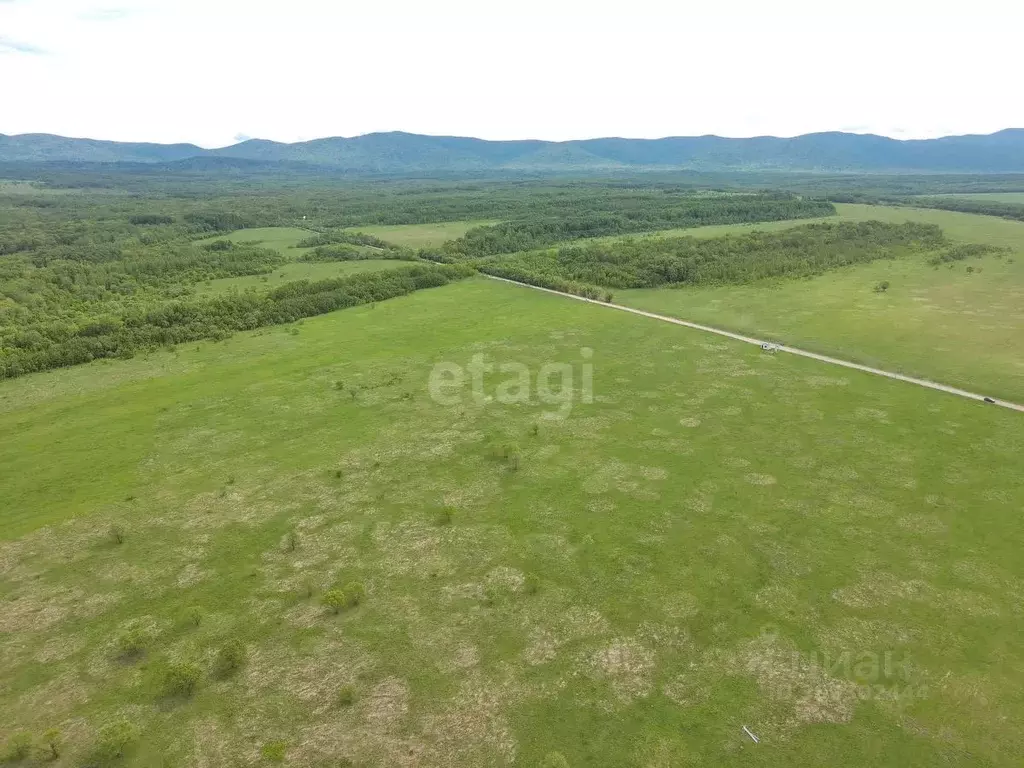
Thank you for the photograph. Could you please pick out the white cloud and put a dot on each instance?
(202, 70)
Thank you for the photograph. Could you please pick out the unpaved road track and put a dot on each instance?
(780, 347)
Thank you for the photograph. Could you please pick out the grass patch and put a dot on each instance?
(712, 515)
(421, 235)
(938, 321)
(283, 239)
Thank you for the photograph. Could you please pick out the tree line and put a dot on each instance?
(217, 317)
(529, 234)
(651, 262)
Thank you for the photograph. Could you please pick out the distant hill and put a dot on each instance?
(398, 152)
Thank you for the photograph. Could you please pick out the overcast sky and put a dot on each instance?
(212, 72)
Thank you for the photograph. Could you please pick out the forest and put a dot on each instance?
(50, 343)
(523, 235)
(106, 263)
(651, 262)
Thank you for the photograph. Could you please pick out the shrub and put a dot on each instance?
(554, 760)
(334, 600)
(115, 738)
(346, 695)
(231, 657)
(180, 679)
(18, 747)
(445, 516)
(274, 751)
(133, 642)
(52, 740)
(532, 585)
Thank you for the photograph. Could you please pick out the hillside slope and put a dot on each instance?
(397, 152)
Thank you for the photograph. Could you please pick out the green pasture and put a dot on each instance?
(961, 324)
(708, 537)
(421, 235)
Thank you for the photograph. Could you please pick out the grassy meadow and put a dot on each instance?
(283, 239)
(420, 235)
(721, 538)
(944, 323)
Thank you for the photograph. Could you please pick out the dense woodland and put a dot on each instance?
(694, 211)
(54, 344)
(674, 261)
(1013, 211)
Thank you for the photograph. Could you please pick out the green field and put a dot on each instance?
(283, 239)
(298, 271)
(421, 235)
(721, 538)
(940, 323)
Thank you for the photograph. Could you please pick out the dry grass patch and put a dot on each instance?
(627, 667)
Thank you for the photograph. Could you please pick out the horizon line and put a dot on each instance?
(497, 141)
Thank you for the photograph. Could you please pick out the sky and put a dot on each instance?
(214, 72)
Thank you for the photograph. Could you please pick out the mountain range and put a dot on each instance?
(398, 152)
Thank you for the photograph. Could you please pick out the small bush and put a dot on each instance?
(532, 585)
(52, 740)
(115, 738)
(608, 297)
(231, 657)
(133, 642)
(334, 600)
(274, 751)
(445, 516)
(180, 679)
(117, 534)
(346, 696)
(18, 747)
(554, 760)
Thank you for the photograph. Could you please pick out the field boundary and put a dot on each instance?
(779, 347)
